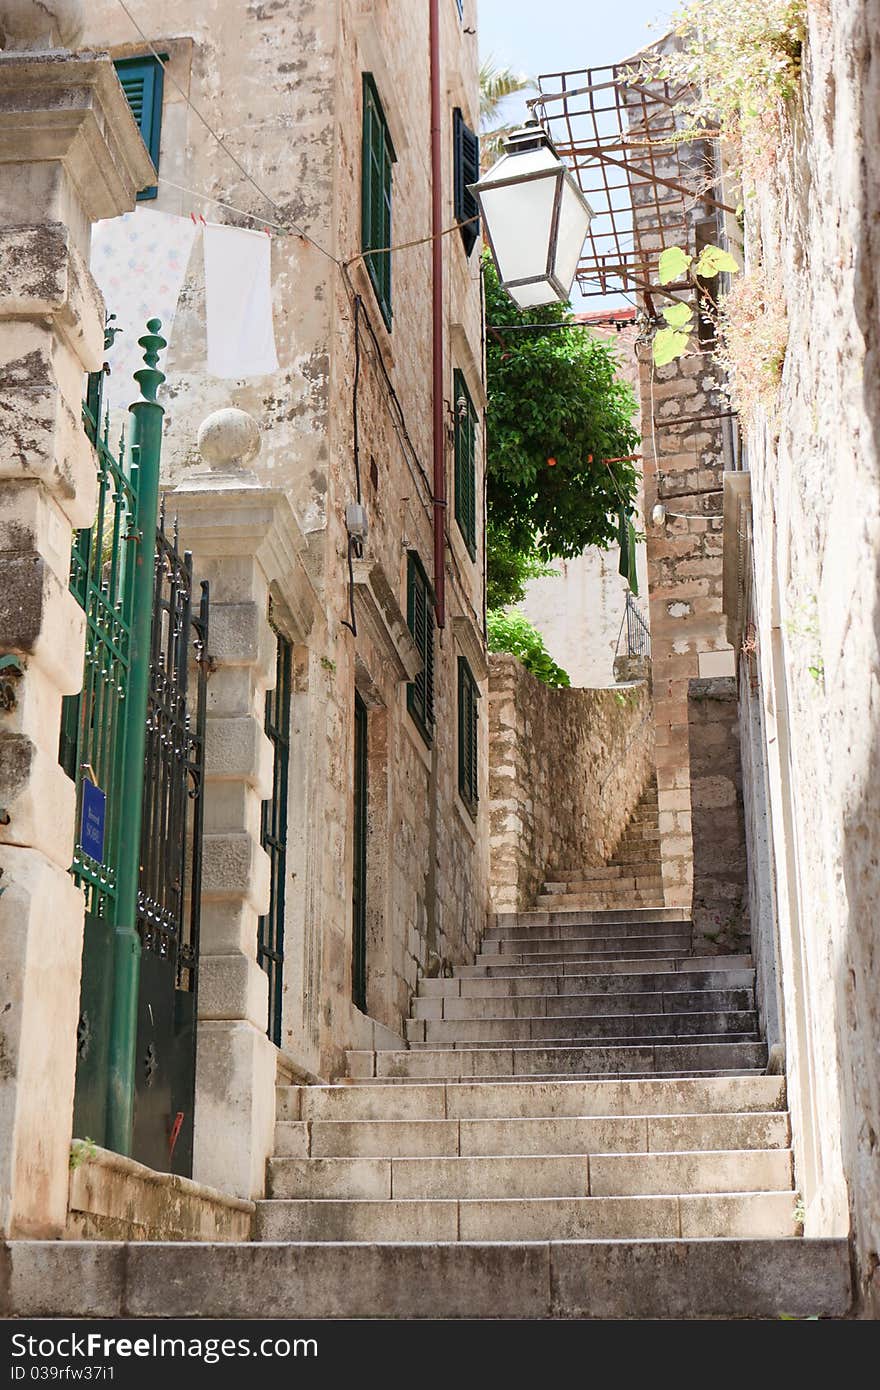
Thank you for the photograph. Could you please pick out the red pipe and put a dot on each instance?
(437, 323)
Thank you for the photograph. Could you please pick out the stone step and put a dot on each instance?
(649, 897)
(564, 1039)
(547, 1136)
(527, 1099)
(600, 1279)
(692, 1073)
(648, 962)
(569, 952)
(449, 1063)
(613, 917)
(598, 871)
(583, 1005)
(719, 1215)
(612, 946)
(531, 1175)
(465, 1031)
(545, 986)
(642, 882)
(584, 931)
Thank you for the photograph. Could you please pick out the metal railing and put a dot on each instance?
(638, 634)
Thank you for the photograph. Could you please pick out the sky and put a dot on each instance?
(538, 36)
(549, 36)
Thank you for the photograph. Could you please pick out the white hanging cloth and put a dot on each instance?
(139, 261)
(238, 302)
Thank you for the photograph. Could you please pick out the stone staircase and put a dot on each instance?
(632, 877)
(580, 1126)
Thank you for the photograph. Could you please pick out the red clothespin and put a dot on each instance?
(195, 220)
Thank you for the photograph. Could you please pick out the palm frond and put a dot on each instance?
(496, 83)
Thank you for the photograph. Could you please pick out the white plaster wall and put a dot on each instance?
(816, 504)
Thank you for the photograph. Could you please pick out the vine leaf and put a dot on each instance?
(713, 261)
(669, 343)
(678, 315)
(673, 264)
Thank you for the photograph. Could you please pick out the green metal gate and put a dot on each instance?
(93, 752)
(132, 862)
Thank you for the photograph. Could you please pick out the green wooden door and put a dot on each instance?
(359, 884)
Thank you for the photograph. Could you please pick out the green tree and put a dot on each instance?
(559, 429)
(511, 631)
(496, 84)
(509, 569)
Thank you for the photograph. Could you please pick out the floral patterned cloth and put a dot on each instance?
(139, 261)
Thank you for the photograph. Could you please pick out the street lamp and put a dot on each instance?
(535, 219)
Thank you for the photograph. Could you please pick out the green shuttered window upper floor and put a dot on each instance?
(465, 463)
(142, 81)
(377, 159)
(468, 725)
(466, 151)
(420, 620)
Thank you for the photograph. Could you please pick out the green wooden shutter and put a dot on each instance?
(377, 160)
(466, 146)
(420, 620)
(465, 432)
(468, 725)
(142, 81)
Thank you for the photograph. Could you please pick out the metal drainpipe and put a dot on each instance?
(437, 323)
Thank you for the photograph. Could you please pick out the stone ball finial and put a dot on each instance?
(229, 438)
(34, 25)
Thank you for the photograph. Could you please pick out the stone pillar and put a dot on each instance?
(244, 538)
(69, 153)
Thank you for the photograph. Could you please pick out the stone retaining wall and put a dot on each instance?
(566, 768)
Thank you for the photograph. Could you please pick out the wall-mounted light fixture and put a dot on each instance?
(535, 218)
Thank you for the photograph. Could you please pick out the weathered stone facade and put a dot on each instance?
(686, 445)
(720, 903)
(288, 104)
(566, 770)
(803, 600)
(69, 154)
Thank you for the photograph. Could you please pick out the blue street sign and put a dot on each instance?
(94, 805)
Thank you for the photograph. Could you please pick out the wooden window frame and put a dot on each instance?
(150, 121)
(420, 621)
(466, 160)
(468, 737)
(465, 450)
(377, 160)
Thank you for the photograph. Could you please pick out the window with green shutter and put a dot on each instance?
(465, 434)
(420, 620)
(468, 724)
(466, 147)
(142, 82)
(377, 158)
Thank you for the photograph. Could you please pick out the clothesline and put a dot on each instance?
(265, 224)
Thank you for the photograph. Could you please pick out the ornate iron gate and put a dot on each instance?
(169, 891)
(133, 741)
(93, 751)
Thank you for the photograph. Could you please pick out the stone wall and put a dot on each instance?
(720, 905)
(815, 492)
(685, 447)
(566, 769)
